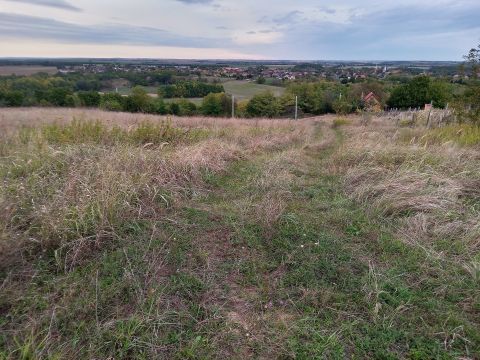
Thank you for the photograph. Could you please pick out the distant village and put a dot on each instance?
(344, 73)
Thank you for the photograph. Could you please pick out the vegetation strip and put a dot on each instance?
(257, 240)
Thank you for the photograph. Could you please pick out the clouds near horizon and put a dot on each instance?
(388, 30)
(60, 4)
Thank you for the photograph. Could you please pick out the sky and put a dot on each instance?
(240, 29)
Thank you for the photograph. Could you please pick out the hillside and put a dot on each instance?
(133, 236)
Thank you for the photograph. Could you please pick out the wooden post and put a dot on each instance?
(429, 114)
(233, 106)
(296, 107)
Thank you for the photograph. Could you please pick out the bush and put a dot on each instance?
(216, 105)
(89, 98)
(264, 105)
(112, 102)
(11, 98)
(418, 92)
(342, 107)
(138, 101)
(340, 122)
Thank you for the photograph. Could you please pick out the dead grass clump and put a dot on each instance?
(92, 198)
(403, 192)
(430, 192)
(270, 209)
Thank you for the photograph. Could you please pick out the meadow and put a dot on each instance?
(22, 70)
(245, 90)
(241, 89)
(134, 236)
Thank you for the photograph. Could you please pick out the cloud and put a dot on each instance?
(404, 32)
(327, 10)
(195, 1)
(60, 4)
(306, 29)
(30, 27)
(289, 18)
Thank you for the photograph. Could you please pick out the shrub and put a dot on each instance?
(264, 105)
(112, 102)
(342, 107)
(216, 105)
(340, 122)
(89, 98)
(138, 101)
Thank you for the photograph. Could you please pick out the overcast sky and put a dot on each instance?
(234, 29)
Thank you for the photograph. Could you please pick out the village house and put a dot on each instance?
(372, 102)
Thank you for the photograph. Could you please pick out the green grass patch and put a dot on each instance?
(245, 90)
(96, 132)
(464, 135)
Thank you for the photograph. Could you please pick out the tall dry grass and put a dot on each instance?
(74, 179)
(430, 191)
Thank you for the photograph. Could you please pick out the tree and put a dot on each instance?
(468, 106)
(264, 105)
(138, 101)
(419, 91)
(89, 98)
(216, 105)
(112, 102)
(261, 80)
(342, 106)
(187, 108)
(58, 97)
(11, 98)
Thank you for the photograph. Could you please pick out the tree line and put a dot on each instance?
(314, 97)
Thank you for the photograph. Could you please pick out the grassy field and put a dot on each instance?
(26, 70)
(241, 89)
(245, 90)
(126, 90)
(130, 236)
(196, 101)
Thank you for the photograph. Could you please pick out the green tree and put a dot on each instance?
(11, 98)
(138, 101)
(112, 102)
(419, 91)
(468, 105)
(89, 98)
(264, 105)
(216, 105)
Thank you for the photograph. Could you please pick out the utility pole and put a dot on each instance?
(296, 107)
(233, 106)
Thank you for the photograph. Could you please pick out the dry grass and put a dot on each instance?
(431, 191)
(136, 236)
(12, 119)
(66, 188)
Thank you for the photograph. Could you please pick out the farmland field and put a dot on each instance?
(245, 90)
(196, 101)
(126, 90)
(134, 236)
(26, 70)
(241, 89)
